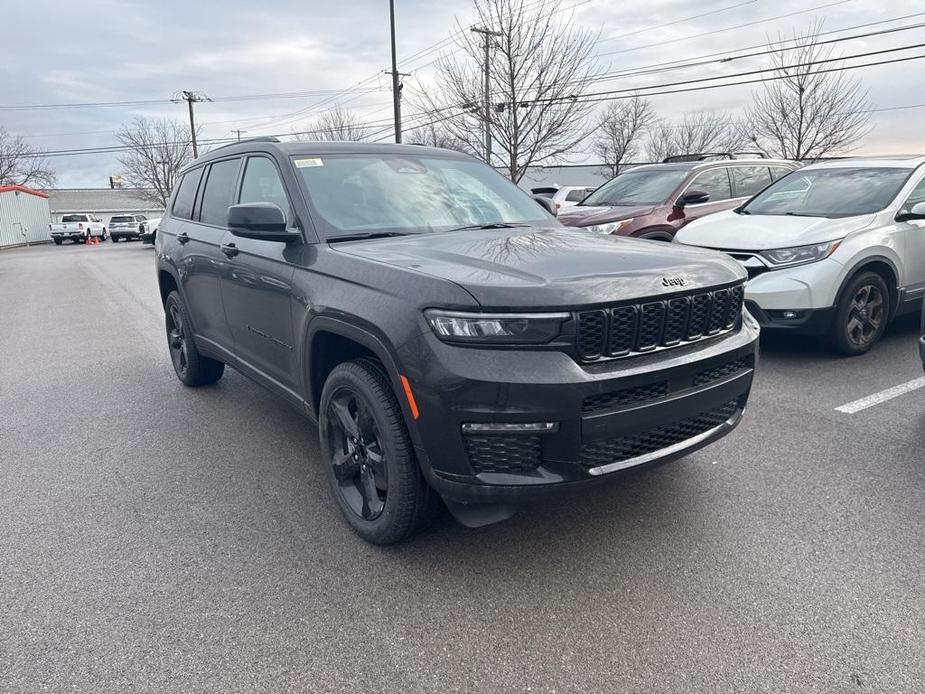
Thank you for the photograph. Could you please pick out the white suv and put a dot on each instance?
(836, 248)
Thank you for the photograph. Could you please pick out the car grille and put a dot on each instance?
(627, 396)
(634, 329)
(514, 454)
(719, 372)
(621, 448)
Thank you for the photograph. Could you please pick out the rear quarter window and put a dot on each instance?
(186, 194)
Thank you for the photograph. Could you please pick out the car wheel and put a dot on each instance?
(103, 237)
(370, 461)
(656, 237)
(58, 242)
(192, 368)
(114, 239)
(861, 315)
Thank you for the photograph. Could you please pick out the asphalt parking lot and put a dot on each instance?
(157, 538)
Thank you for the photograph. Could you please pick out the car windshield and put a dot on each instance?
(121, 219)
(841, 192)
(637, 187)
(73, 218)
(370, 193)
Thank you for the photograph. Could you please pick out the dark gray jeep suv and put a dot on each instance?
(450, 338)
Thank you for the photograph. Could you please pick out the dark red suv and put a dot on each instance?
(655, 200)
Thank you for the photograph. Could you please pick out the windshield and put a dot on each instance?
(368, 193)
(646, 187)
(842, 192)
(74, 218)
(121, 219)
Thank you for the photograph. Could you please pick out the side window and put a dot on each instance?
(779, 172)
(219, 192)
(715, 182)
(576, 195)
(748, 180)
(261, 183)
(186, 195)
(916, 196)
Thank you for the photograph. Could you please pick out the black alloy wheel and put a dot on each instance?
(191, 367)
(862, 314)
(176, 339)
(357, 455)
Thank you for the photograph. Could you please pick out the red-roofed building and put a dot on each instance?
(24, 216)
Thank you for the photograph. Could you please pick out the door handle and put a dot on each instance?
(229, 249)
(182, 237)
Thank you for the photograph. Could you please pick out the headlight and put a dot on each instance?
(801, 254)
(499, 328)
(610, 227)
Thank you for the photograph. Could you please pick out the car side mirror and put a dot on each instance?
(917, 212)
(692, 197)
(546, 204)
(259, 220)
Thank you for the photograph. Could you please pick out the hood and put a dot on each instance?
(582, 216)
(550, 268)
(759, 232)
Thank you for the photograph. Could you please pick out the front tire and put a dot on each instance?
(862, 314)
(103, 237)
(192, 368)
(114, 239)
(374, 476)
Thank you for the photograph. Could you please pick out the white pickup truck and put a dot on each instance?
(79, 228)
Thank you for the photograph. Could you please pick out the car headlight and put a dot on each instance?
(498, 328)
(798, 255)
(610, 227)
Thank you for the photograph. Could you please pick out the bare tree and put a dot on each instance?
(336, 125)
(619, 130)
(435, 135)
(695, 132)
(539, 66)
(158, 148)
(22, 164)
(805, 114)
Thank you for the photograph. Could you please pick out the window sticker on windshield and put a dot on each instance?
(306, 163)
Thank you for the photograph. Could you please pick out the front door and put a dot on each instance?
(912, 244)
(257, 290)
(717, 184)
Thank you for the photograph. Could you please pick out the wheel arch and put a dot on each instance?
(881, 265)
(166, 282)
(656, 233)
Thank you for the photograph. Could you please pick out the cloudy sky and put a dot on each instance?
(90, 51)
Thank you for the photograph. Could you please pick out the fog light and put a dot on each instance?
(505, 427)
(790, 315)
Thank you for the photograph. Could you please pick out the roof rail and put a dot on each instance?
(266, 138)
(703, 156)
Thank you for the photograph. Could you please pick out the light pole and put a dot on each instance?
(239, 132)
(190, 98)
(487, 33)
(396, 76)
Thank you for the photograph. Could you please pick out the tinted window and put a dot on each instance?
(410, 194)
(635, 187)
(779, 172)
(74, 218)
(186, 195)
(831, 192)
(219, 192)
(577, 195)
(120, 220)
(262, 184)
(715, 182)
(748, 180)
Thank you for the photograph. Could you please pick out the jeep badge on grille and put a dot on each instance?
(672, 281)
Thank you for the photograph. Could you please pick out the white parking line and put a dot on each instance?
(882, 396)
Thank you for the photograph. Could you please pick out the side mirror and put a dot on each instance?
(692, 197)
(917, 212)
(259, 220)
(546, 204)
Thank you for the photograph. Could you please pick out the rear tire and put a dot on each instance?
(862, 315)
(370, 462)
(114, 239)
(58, 242)
(103, 237)
(192, 368)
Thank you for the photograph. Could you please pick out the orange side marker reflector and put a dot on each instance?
(408, 394)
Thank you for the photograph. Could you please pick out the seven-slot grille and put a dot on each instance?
(626, 330)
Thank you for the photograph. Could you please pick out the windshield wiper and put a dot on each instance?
(490, 225)
(365, 235)
(803, 214)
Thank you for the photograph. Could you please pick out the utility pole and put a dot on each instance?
(487, 34)
(396, 76)
(239, 132)
(190, 98)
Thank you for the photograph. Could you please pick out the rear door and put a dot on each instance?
(257, 290)
(201, 262)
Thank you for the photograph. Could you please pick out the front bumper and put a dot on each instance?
(609, 418)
